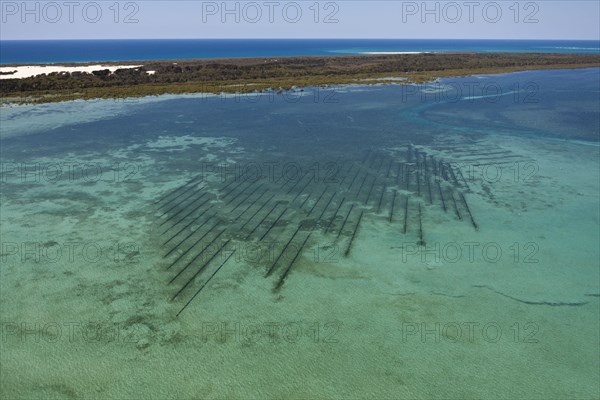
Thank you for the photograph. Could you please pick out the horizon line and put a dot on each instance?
(298, 39)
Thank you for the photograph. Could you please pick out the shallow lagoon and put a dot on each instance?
(438, 241)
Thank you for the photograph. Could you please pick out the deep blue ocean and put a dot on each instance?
(55, 51)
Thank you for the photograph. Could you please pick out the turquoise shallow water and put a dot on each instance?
(433, 241)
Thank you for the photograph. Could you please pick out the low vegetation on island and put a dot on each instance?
(279, 73)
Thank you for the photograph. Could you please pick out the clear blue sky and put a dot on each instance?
(546, 19)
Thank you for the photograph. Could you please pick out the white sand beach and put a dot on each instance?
(27, 71)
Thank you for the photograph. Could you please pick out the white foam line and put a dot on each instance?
(394, 52)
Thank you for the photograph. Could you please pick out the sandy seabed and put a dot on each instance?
(506, 311)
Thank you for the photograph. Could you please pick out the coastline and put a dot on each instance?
(118, 80)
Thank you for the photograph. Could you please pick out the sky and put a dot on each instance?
(501, 19)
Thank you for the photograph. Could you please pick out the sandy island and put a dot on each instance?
(242, 75)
